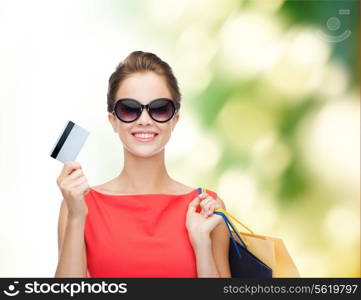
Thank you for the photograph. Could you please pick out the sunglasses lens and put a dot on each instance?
(127, 110)
(161, 110)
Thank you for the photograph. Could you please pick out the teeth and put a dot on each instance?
(144, 135)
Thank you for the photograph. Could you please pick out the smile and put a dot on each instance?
(145, 137)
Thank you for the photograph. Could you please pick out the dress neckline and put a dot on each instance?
(137, 195)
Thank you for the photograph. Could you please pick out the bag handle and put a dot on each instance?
(238, 233)
(230, 233)
(228, 214)
(223, 213)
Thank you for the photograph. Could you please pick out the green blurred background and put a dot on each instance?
(274, 88)
(270, 115)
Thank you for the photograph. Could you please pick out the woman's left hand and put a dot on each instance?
(200, 225)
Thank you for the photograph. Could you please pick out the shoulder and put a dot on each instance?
(176, 187)
(100, 187)
(221, 202)
(108, 187)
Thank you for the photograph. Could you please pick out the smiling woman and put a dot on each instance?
(142, 223)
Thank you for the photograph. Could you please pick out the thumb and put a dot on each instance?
(193, 204)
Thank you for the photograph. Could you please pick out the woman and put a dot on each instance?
(142, 223)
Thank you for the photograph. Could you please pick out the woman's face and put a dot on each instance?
(143, 87)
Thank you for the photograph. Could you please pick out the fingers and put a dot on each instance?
(76, 174)
(208, 205)
(83, 187)
(212, 208)
(214, 221)
(78, 181)
(193, 204)
(68, 168)
(205, 198)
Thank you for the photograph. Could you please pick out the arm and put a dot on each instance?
(220, 246)
(211, 251)
(71, 245)
(206, 266)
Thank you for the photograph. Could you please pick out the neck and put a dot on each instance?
(146, 175)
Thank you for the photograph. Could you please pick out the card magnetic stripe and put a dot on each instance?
(62, 139)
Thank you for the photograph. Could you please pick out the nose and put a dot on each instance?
(144, 118)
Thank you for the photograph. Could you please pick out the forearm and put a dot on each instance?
(72, 260)
(206, 266)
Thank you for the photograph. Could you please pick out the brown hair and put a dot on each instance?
(139, 61)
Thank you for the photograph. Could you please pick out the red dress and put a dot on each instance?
(139, 235)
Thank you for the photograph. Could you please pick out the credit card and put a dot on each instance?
(71, 140)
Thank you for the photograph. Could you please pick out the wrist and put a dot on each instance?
(200, 241)
(76, 218)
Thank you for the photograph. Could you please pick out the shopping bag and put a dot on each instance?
(270, 250)
(243, 263)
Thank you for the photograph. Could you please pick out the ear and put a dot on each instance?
(113, 121)
(175, 120)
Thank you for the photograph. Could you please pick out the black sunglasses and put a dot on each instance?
(160, 110)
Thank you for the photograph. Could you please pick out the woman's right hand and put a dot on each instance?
(73, 185)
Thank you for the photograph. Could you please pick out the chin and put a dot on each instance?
(144, 153)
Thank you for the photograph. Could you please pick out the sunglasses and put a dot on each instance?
(160, 110)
